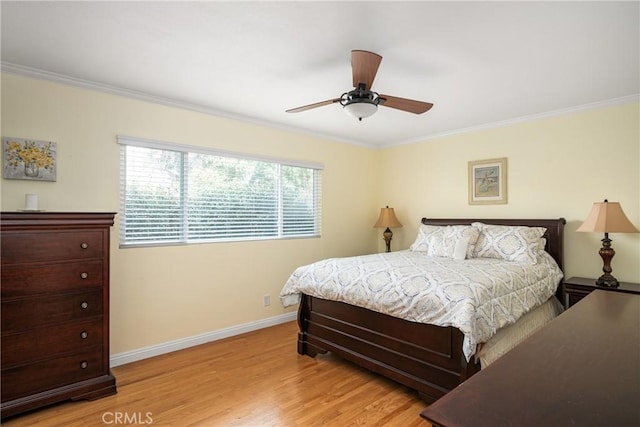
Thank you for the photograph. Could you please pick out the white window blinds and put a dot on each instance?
(178, 194)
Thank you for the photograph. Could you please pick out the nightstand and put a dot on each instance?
(576, 288)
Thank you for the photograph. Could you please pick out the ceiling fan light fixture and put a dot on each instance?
(360, 108)
(362, 102)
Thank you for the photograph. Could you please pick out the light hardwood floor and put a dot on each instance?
(255, 379)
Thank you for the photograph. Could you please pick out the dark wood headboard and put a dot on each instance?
(554, 234)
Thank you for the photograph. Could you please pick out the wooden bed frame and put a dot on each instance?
(426, 358)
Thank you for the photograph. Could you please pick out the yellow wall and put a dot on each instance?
(557, 167)
(164, 294)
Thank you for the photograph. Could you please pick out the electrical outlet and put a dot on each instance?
(267, 300)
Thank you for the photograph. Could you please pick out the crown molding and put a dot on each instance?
(35, 73)
(523, 119)
(11, 68)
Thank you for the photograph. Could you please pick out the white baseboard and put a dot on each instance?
(168, 347)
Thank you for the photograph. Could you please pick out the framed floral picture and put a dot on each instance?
(29, 159)
(488, 182)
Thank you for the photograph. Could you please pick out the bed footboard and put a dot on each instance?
(426, 358)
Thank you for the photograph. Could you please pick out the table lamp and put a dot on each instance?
(387, 220)
(607, 217)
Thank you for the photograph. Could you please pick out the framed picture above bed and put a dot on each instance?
(488, 182)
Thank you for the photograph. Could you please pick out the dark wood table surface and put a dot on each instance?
(582, 369)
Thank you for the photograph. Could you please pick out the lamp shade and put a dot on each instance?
(607, 217)
(360, 109)
(387, 219)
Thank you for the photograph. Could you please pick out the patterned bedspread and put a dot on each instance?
(477, 296)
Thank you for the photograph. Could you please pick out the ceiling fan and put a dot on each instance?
(362, 102)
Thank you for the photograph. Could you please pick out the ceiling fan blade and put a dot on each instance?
(365, 66)
(310, 106)
(410, 105)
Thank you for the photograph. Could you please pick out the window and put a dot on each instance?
(177, 194)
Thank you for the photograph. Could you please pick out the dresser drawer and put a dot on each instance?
(24, 314)
(30, 379)
(50, 278)
(23, 247)
(25, 347)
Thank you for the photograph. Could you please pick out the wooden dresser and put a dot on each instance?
(55, 308)
(579, 370)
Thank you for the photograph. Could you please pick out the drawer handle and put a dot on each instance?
(84, 335)
(84, 305)
(84, 245)
(84, 275)
(84, 365)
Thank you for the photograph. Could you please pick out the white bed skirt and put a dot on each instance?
(509, 337)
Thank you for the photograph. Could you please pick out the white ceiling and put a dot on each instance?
(479, 63)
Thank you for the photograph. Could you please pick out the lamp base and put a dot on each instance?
(607, 281)
(388, 235)
(607, 252)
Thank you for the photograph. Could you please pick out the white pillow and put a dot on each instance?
(542, 244)
(464, 232)
(421, 244)
(461, 248)
(511, 243)
(451, 241)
